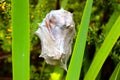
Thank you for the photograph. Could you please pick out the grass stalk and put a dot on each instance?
(78, 52)
(104, 51)
(116, 73)
(20, 40)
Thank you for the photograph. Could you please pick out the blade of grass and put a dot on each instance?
(20, 39)
(118, 77)
(116, 72)
(64, 3)
(111, 22)
(77, 56)
(104, 51)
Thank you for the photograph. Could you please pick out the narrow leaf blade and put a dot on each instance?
(104, 51)
(20, 40)
(77, 56)
(116, 72)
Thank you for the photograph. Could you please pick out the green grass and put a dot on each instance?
(116, 73)
(21, 45)
(20, 40)
(78, 52)
(104, 51)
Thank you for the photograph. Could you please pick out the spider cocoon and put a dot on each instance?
(56, 33)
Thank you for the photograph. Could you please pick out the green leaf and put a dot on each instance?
(104, 51)
(77, 56)
(20, 40)
(115, 75)
(111, 22)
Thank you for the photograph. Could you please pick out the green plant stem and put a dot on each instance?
(43, 67)
(115, 75)
(64, 3)
(20, 40)
(104, 51)
(77, 56)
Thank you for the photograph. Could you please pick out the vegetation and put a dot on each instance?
(99, 54)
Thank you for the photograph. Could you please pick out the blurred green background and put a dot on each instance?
(104, 14)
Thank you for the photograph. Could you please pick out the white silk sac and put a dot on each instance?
(56, 33)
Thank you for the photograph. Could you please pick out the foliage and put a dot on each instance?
(116, 73)
(103, 16)
(20, 40)
(80, 43)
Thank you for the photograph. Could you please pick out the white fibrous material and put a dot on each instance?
(56, 33)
